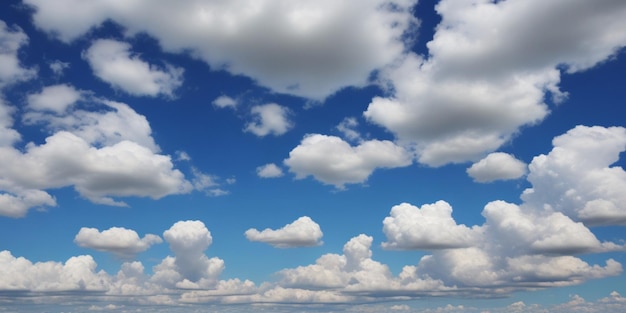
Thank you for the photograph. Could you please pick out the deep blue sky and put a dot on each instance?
(460, 156)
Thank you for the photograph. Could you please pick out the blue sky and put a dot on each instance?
(312, 156)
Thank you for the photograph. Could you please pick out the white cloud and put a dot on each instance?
(76, 274)
(335, 162)
(225, 102)
(298, 54)
(269, 119)
(113, 62)
(303, 232)
(58, 67)
(347, 128)
(11, 71)
(478, 87)
(497, 166)
(428, 227)
(8, 135)
(188, 240)
(55, 98)
(120, 241)
(270, 170)
(577, 178)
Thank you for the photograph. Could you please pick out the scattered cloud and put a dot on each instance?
(113, 62)
(303, 232)
(58, 67)
(120, 241)
(55, 98)
(270, 170)
(225, 102)
(269, 119)
(497, 166)
(347, 129)
(11, 71)
(333, 161)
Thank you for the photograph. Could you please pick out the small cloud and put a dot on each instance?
(113, 62)
(120, 241)
(270, 170)
(303, 232)
(182, 156)
(57, 98)
(346, 127)
(497, 166)
(57, 67)
(269, 119)
(225, 102)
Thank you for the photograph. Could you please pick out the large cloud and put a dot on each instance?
(289, 46)
(303, 232)
(577, 178)
(489, 69)
(117, 240)
(113, 62)
(334, 161)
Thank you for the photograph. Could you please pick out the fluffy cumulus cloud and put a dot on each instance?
(334, 161)
(269, 119)
(577, 178)
(477, 87)
(55, 98)
(120, 241)
(303, 232)
(190, 268)
(113, 62)
(102, 154)
(270, 170)
(298, 54)
(497, 166)
(428, 227)
(11, 71)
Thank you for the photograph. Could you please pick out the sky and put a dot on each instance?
(312, 156)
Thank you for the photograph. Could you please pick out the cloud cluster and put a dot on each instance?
(288, 46)
(120, 241)
(478, 87)
(113, 62)
(334, 161)
(303, 232)
(102, 154)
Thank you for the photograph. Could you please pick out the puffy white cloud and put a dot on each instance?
(225, 102)
(269, 119)
(270, 170)
(18, 203)
(188, 240)
(478, 87)
(577, 178)
(8, 135)
(113, 62)
(298, 53)
(76, 274)
(55, 98)
(303, 232)
(497, 166)
(333, 161)
(11, 40)
(428, 227)
(120, 241)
